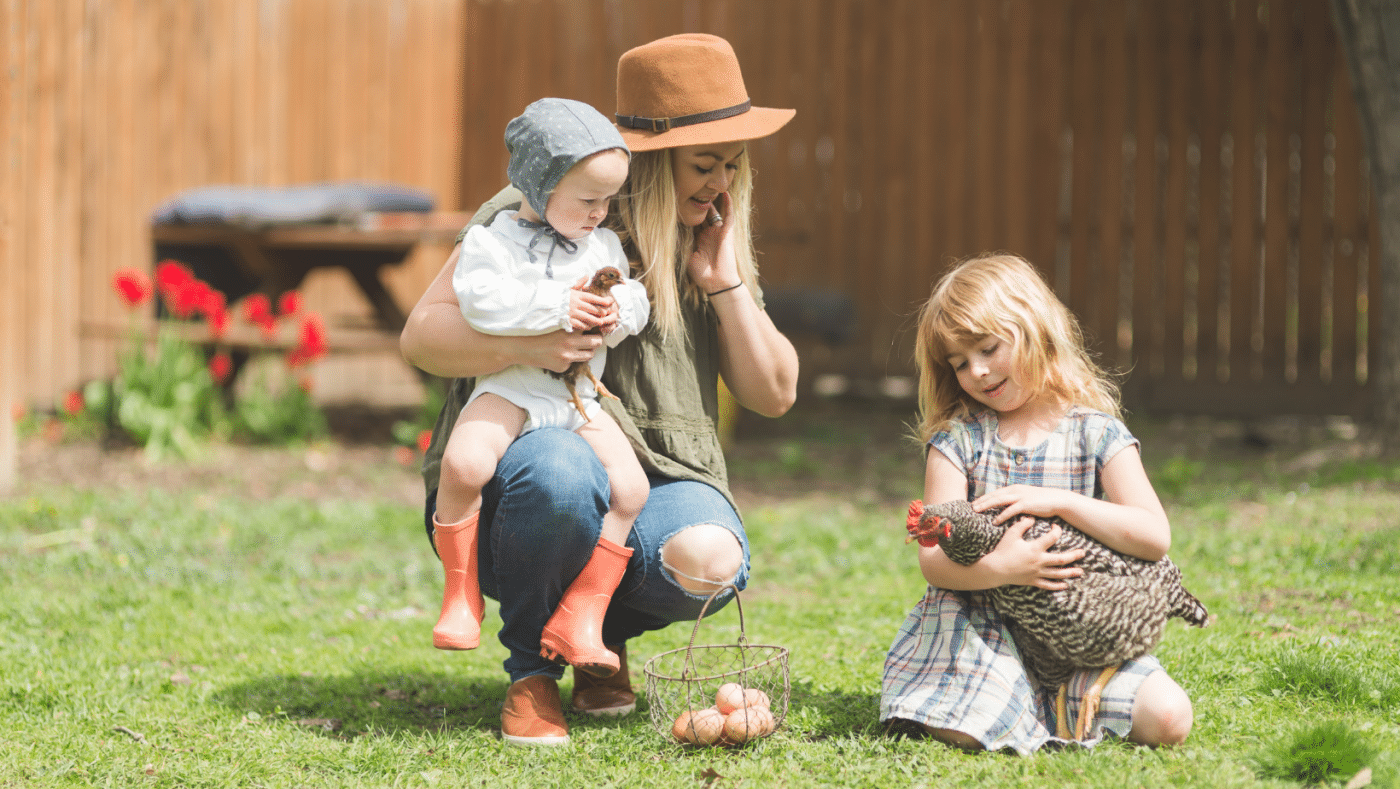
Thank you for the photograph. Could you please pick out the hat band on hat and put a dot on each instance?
(666, 124)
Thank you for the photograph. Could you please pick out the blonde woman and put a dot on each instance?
(1015, 414)
(683, 217)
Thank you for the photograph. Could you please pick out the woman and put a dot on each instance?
(683, 217)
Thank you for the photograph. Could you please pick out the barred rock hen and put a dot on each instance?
(1114, 612)
(601, 285)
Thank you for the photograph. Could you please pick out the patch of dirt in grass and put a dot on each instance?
(854, 450)
(1289, 445)
(358, 461)
(1281, 605)
(850, 448)
(861, 450)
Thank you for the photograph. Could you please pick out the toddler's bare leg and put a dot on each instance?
(478, 440)
(625, 475)
(574, 632)
(480, 437)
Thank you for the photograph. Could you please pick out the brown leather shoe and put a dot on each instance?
(532, 714)
(610, 696)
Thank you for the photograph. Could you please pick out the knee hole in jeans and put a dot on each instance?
(702, 558)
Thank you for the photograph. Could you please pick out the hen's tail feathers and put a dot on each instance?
(1191, 609)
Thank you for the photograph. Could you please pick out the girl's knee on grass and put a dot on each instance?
(1162, 712)
(954, 738)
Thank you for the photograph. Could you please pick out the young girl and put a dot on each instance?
(1017, 415)
(520, 276)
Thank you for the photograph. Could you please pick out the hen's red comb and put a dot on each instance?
(913, 523)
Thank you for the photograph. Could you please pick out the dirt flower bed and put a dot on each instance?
(823, 447)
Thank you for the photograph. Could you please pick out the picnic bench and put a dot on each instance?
(244, 240)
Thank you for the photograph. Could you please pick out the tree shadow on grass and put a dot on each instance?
(378, 702)
(389, 702)
(837, 713)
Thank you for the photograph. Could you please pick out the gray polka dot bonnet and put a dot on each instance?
(548, 139)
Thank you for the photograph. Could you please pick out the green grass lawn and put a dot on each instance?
(187, 634)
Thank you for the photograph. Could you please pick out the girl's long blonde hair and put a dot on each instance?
(645, 219)
(1004, 296)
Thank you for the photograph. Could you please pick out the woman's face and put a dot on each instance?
(702, 173)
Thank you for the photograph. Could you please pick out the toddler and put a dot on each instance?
(526, 273)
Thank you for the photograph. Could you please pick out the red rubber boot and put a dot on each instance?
(574, 634)
(459, 625)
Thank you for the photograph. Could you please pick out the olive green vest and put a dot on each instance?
(668, 399)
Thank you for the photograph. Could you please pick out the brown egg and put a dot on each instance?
(699, 727)
(748, 723)
(729, 697)
(753, 697)
(678, 729)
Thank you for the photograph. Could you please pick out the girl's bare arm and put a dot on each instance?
(1130, 520)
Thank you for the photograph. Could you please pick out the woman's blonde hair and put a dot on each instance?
(645, 219)
(1003, 296)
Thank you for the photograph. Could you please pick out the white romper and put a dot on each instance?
(502, 292)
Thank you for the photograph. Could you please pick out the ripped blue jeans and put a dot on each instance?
(541, 516)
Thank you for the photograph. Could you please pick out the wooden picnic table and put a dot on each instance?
(275, 259)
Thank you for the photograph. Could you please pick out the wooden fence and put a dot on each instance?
(1188, 172)
(112, 106)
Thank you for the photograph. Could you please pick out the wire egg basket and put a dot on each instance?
(688, 680)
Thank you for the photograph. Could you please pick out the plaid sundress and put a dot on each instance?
(953, 664)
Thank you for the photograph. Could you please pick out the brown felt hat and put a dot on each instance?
(687, 90)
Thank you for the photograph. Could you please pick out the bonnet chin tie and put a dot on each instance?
(556, 238)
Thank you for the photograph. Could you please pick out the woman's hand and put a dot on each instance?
(1018, 561)
(713, 266)
(558, 350)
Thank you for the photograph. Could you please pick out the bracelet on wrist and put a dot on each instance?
(725, 290)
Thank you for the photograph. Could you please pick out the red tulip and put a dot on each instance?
(312, 343)
(171, 278)
(133, 285)
(212, 301)
(218, 323)
(289, 304)
(257, 308)
(188, 300)
(220, 367)
(73, 403)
